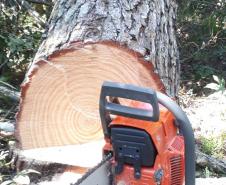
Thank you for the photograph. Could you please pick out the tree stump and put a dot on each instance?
(86, 43)
(60, 100)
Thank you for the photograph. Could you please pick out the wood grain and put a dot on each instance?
(59, 103)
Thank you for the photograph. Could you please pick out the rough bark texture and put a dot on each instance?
(146, 26)
(214, 164)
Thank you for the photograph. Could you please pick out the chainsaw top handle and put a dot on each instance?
(117, 90)
(146, 95)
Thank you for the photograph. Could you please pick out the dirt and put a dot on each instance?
(206, 114)
(211, 181)
(68, 178)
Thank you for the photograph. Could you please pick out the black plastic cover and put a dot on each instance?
(132, 146)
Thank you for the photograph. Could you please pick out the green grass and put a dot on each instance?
(214, 146)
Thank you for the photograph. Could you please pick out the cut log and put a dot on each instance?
(60, 95)
(60, 100)
(145, 26)
(60, 103)
(84, 155)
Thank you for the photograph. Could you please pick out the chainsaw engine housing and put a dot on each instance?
(146, 153)
(150, 137)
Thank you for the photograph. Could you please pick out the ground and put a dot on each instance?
(206, 114)
(208, 117)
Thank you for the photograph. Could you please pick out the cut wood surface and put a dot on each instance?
(59, 104)
(85, 155)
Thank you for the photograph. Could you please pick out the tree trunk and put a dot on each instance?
(86, 43)
(146, 26)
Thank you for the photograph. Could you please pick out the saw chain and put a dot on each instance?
(97, 172)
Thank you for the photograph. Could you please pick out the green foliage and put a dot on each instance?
(20, 35)
(202, 71)
(208, 145)
(207, 172)
(214, 146)
(19, 38)
(202, 39)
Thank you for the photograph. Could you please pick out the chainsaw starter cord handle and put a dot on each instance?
(186, 129)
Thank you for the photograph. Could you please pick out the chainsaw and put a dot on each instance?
(148, 139)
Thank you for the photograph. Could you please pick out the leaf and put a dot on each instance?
(213, 86)
(216, 79)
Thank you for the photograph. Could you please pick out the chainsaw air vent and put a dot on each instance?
(176, 170)
(178, 144)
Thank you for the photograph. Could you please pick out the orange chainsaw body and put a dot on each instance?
(168, 143)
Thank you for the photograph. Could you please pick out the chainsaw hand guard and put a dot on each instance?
(110, 89)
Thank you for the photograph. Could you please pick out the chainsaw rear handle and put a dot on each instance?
(110, 89)
(143, 94)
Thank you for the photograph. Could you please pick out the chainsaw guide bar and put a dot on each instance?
(99, 175)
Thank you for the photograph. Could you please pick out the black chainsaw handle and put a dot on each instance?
(118, 90)
(185, 127)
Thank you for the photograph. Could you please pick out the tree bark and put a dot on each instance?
(85, 43)
(146, 26)
(204, 160)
